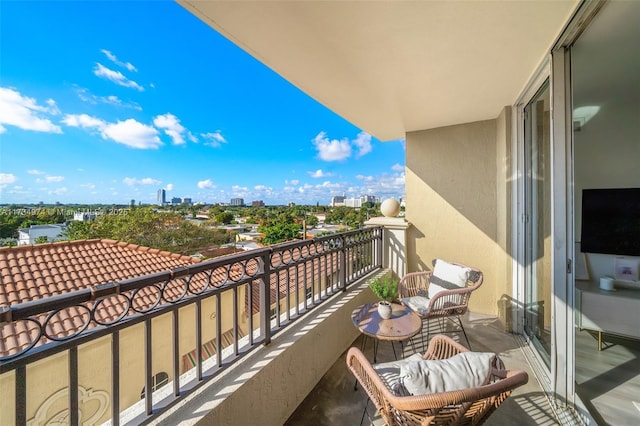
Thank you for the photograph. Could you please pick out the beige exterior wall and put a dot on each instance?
(458, 201)
(505, 176)
(48, 379)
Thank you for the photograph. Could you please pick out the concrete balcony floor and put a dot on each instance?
(334, 402)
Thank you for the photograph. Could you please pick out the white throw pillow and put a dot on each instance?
(389, 372)
(447, 276)
(461, 371)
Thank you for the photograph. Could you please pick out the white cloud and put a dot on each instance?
(150, 181)
(54, 178)
(363, 144)
(133, 133)
(328, 184)
(114, 59)
(397, 168)
(331, 150)
(319, 174)
(115, 76)
(88, 185)
(52, 107)
(7, 178)
(214, 139)
(263, 188)
(365, 178)
(238, 188)
(84, 121)
(129, 132)
(169, 187)
(59, 191)
(145, 181)
(89, 97)
(206, 184)
(25, 113)
(35, 172)
(292, 182)
(171, 126)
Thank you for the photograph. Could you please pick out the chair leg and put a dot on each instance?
(424, 347)
(364, 412)
(464, 332)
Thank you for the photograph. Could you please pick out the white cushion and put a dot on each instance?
(389, 372)
(464, 370)
(419, 304)
(447, 276)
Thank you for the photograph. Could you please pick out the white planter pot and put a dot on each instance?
(384, 309)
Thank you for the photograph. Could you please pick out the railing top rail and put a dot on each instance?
(223, 270)
(60, 301)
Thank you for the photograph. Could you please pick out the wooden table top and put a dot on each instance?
(402, 325)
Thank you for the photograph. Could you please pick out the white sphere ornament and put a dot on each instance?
(390, 207)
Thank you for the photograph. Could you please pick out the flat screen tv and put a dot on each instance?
(611, 221)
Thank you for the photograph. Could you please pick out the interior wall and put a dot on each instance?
(607, 155)
(607, 146)
(452, 203)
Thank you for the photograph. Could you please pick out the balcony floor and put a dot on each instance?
(334, 402)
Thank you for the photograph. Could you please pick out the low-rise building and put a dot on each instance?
(53, 232)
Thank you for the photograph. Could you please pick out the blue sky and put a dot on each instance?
(104, 102)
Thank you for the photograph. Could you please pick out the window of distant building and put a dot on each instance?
(157, 381)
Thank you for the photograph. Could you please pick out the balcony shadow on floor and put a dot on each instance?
(335, 402)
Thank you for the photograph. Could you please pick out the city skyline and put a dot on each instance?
(126, 98)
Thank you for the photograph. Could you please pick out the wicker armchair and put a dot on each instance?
(445, 304)
(471, 406)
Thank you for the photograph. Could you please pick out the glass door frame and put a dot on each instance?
(534, 207)
(542, 74)
(558, 379)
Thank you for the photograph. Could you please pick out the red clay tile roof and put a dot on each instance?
(40, 271)
(315, 271)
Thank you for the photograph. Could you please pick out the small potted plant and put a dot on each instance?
(386, 288)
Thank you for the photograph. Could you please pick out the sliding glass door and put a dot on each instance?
(537, 217)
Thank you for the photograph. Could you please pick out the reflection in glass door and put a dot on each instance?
(537, 157)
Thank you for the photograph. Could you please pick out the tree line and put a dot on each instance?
(169, 229)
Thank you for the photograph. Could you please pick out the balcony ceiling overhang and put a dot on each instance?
(393, 67)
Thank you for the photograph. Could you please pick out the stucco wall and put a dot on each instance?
(458, 201)
(505, 179)
(48, 379)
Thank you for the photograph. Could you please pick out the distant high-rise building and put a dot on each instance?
(237, 202)
(356, 202)
(187, 201)
(176, 201)
(162, 197)
(368, 199)
(353, 202)
(257, 203)
(337, 201)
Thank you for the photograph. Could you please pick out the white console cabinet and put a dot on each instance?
(613, 312)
